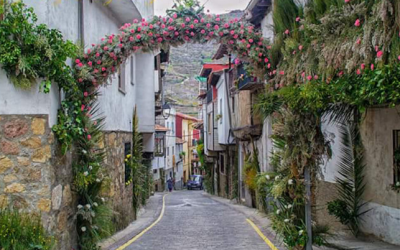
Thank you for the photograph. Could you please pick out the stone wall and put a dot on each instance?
(34, 178)
(118, 193)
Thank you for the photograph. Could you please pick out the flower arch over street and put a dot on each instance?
(187, 23)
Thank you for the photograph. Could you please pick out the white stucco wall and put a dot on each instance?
(170, 123)
(145, 94)
(116, 106)
(223, 123)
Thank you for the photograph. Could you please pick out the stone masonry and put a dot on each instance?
(117, 192)
(34, 178)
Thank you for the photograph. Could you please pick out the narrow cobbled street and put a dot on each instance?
(194, 221)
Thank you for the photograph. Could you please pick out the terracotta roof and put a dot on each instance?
(161, 128)
(187, 117)
(210, 67)
(179, 141)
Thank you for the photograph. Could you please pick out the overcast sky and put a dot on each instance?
(215, 6)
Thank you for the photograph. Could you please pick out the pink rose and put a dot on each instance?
(80, 65)
(103, 69)
(105, 48)
(85, 94)
(89, 137)
(362, 66)
(196, 21)
(300, 47)
(358, 71)
(192, 26)
(298, 19)
(269, 66)
(309, 78)
(379, 54)
(216, 27)
(187, 19)
(208, 25)
(131, 38)
(90, 64)
(120, 45)
(357, 23)
(183, 25)
(203, 31)
(282, 72)
(266, 60)
(82, 107)
(77, 61)
(218, 19)
(138, 37)
(80, 80)
(347, 1)
(251, 40)
(98, 62)
(287, 32)
(372, 66)
(175, 16)
(316, 77)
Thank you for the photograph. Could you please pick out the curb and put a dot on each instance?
(147, 215)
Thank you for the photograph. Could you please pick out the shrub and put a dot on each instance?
(23, 231)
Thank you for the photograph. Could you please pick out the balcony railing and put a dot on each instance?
(247, 83)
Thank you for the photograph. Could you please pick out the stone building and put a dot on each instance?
(34, 176)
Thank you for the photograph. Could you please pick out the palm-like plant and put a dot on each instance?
(348, 208)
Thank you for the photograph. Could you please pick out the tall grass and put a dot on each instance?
(22, 231)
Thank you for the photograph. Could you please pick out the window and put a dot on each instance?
(233, 104)
(128, 170)
(396, 156)
(121, 78)
(133, 75)
(173, 128)
(168, 125)
(167, 151)
(155, 171)
(220, 111)
(159, 145)
(173, 150)
(209, 123)
(222, 164)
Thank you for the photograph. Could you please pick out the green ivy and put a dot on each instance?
(31, 51)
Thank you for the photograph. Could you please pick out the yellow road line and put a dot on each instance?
(267, 241)
(147, 229)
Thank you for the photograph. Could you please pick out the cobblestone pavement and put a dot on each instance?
(196, 222)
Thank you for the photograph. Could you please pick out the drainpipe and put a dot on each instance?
(81, 24)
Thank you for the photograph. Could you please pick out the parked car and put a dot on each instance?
(196, 181)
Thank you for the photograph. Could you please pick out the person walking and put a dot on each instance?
(170, 184)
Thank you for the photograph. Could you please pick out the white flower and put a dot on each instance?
(95, 204)
(277, 178)
(80, 206)
(98, 180)
(83, 229)
(102, 199)
(93, 214)
(88, 206)
(84, 151)
(301, 232)
(286, 220)
(289, 206)
(268, 177)
(290, 182)
(398, 184)
(86, 173)
(90, 167)
(278, 211)
(353, 189)
(95, 227)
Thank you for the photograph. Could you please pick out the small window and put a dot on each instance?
(128, 170)
(133, 75)
(121, 78)
(168, 125)
(173, 150)
(396, 156)
(167, 151)
(173, 128)
(233, 104)
(159, 145)
(220, 111)
(222, 163)
(209, 123)
(154, 171)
